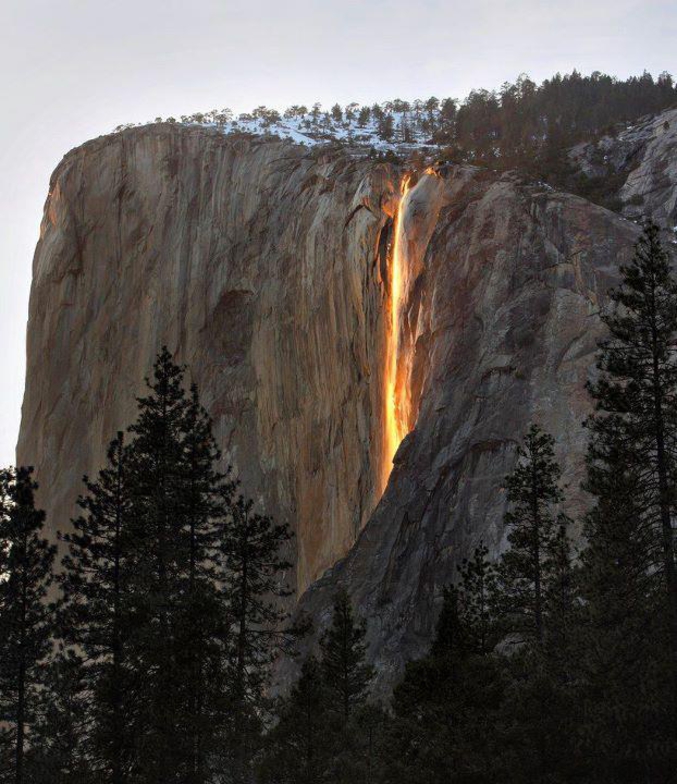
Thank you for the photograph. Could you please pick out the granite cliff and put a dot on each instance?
(269, 269)
(258, 263)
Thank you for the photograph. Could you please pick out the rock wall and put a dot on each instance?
(258, 263)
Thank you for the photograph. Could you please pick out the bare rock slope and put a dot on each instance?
(642, 160)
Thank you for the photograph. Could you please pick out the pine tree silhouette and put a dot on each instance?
(347, 676)
(26, 616)
(141, 584)
(533, 493)
(628, 638)
(636, 397)
(253, 586)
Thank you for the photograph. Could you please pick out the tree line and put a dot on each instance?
(146, 656)
(523, 125)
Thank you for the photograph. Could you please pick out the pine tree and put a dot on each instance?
(444, 712)
(96, 582)
(354, 725)
(476, 588)
(298, 748)
(26, 618)
(532, 492)
(636, 397)
(619, 670)
(253, 586)
(531, 598)
(363, 117)
(171, 589)
(625, 652)
(176, 494)
(347, 676)
(143, 607)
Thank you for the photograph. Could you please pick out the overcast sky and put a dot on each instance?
(74, 69)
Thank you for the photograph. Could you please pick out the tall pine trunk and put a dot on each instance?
(538, 592)
(665, 506)
(240, 718)
(118, 719)
(21, 677)
(20, 719)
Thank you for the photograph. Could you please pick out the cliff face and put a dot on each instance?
(258, 264)
(267, 268)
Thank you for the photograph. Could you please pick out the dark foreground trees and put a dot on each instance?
(142, 611)
(629, 587)
(164, 630)
(26, 560)
(325, 730)
(155, 664)
(635, 428)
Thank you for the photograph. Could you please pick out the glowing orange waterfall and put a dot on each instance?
(397, 400)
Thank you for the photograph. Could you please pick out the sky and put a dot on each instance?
(74, 69)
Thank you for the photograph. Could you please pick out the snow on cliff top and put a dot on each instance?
(391, 131)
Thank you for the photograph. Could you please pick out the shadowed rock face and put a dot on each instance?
(264, 266)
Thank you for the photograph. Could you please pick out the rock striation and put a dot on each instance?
(267, 267)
